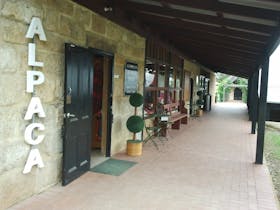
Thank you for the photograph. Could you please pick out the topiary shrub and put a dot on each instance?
(135, 124)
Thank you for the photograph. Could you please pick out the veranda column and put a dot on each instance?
(254, 101)
(249, 97)
(262, 112)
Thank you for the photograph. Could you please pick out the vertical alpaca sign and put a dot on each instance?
(35, 106)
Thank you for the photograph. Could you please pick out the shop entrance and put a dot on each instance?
(102, 106)
(191, 97)
(82, 108)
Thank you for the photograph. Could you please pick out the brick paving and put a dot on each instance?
(206, 165)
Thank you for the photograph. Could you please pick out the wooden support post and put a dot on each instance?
(254, 101)
(249, 98)
(262, 112)
(253, 127)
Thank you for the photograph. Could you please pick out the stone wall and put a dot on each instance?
(213, 87)
(63, 21)
(194, 69)
(230, 96)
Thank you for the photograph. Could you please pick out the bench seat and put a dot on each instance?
(175, 116)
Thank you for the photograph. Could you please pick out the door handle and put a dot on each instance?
(68, 115)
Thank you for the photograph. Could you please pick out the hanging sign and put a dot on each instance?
(35, 108)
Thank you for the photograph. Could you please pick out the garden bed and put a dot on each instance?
(272, 155)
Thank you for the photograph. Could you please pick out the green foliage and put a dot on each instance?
(225, 83)
(134, 141)
(272, 138)
(200, 101)
(136, 99)
(272, 155)
(135, 124)
(199, 93)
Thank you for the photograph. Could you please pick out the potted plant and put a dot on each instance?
(135, 124)
(200, 103)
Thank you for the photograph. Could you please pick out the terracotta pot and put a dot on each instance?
(199, 112)
(134, 147)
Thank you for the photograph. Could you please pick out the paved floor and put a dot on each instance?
(207, 164)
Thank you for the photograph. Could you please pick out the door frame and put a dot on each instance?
(191, 95)
(110, 86)
(91, 52)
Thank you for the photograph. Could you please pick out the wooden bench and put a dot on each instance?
(176, 115)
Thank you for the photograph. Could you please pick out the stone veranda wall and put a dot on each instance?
(231, 95)
(194, 68)
(195, 71)
(212, 88)
(63, 21)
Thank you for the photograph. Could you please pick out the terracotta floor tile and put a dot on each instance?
(207, 164)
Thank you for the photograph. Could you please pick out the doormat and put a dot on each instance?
(113, 167)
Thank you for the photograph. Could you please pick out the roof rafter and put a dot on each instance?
(232, 36)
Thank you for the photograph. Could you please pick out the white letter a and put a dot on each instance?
(34, 107)
(34, 158)
(36, 27)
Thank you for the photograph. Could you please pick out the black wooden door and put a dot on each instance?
(237, 94)
(77, 112)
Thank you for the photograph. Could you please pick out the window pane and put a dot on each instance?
(178, 79)
(171, 78)
(150, 74)
(161, 76)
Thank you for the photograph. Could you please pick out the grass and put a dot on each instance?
(272, 156)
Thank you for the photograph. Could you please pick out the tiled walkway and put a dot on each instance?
(207, 164)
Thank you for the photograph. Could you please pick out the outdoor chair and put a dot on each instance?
(155, 129)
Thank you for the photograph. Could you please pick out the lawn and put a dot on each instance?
(272, 156)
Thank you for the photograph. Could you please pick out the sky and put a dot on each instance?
(273, 92)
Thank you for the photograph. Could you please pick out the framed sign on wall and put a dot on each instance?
(130, 78)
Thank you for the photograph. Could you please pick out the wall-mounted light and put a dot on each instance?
(108, 9)
(197, 80)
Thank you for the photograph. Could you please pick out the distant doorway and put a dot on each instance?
(191, 96)
(188, 89)
(237, 94)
